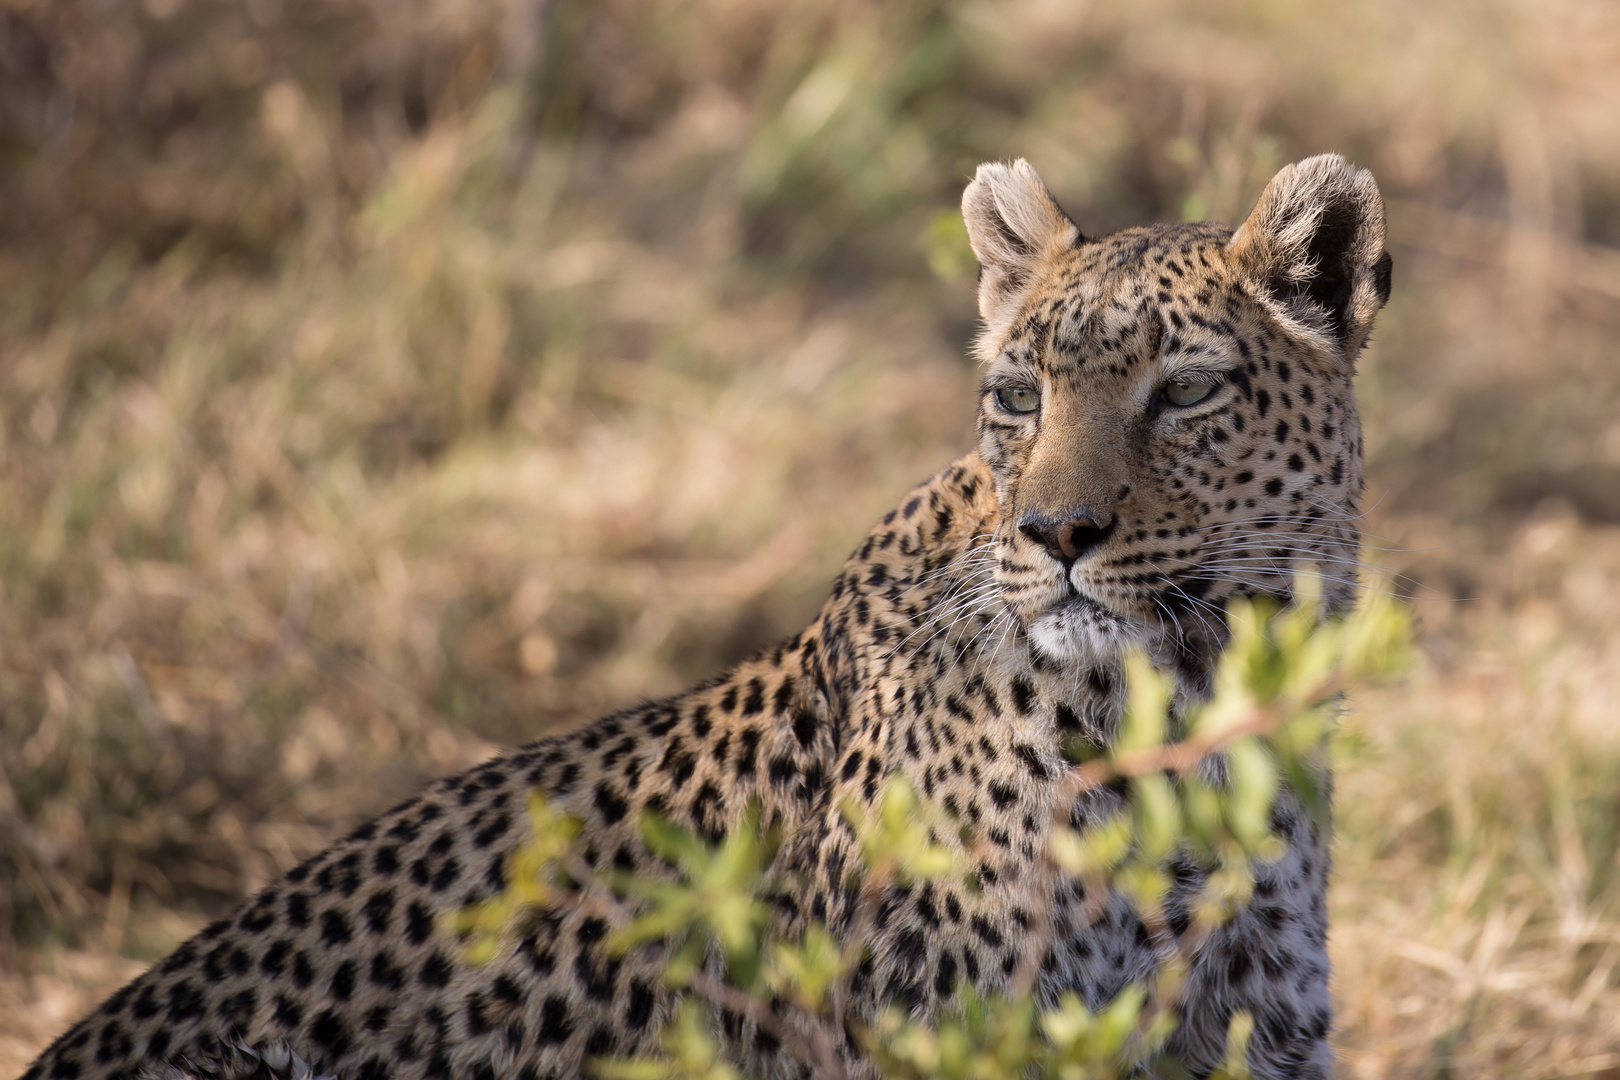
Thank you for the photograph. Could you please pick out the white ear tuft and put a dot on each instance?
(1314, 249)
(1014, 225)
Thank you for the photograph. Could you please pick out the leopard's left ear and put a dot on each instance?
(1015, 227)
(1313, 249)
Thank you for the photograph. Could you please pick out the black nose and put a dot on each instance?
(1072, 535)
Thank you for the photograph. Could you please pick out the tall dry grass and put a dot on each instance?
(383, 381)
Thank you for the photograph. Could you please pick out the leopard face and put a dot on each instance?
(1168, 411)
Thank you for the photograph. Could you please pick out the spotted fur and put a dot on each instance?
(978, 626)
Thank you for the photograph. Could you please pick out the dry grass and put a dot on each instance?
(383, 381)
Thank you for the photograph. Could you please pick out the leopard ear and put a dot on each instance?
(1014, 226)
(1313, 250)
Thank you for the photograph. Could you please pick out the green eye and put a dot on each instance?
(1018, 401)
(1187, 393)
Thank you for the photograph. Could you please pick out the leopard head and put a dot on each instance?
(1168, 411)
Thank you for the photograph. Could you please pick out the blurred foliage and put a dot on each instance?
(1277, 688)
(382, 377)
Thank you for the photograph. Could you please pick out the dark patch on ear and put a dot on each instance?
(1314, 245)
(1015, 279)
(1381, 276)
(1014, 241)
(1330, 284)
(1331, 287)
(1014, 227)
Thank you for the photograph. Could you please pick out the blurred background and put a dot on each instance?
(382, 381)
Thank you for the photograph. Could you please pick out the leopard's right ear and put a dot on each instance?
(1014, 225)
(1313, 251)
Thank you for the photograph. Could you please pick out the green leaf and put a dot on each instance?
(1069, 1023)
(692, 1053)
(1235, 1064)
(670, 842)
(1145, 884)
(806, 971)
(530, 871)
(1253, 789)
(1295, 626)
(898, 834)
(1100, 849)
(1116, 1022)
(1378, 638)
(1201, 808)
(1157, 816)
(1146, 706)
(680, 968)
(718, 893)
(630, 1069)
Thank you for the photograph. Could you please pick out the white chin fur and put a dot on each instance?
(1082, 632)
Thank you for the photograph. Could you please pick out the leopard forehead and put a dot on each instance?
(1107, 325)
(1157, 292)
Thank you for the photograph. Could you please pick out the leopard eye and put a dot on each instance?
(1018, 400)
(1187, 393)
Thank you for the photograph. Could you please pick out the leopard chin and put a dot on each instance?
(1080, 630)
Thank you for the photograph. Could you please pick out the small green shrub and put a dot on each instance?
(1277, 692)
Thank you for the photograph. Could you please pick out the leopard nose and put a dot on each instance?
(1072, 535)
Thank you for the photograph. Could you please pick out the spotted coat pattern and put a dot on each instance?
(963, 642)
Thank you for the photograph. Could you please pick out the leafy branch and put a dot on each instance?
(1207, 795)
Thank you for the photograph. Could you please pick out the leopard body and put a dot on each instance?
(977, 628)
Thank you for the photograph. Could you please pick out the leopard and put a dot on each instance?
(1166, 421)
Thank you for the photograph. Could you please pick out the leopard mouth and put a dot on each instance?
(1081, 627)
(1079, 602)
